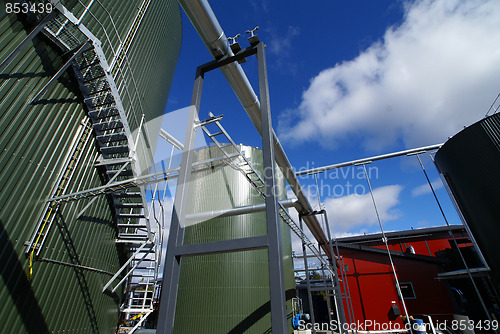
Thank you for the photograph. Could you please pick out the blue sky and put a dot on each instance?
(353, 79)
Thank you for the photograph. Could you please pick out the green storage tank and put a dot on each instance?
(228, 292)
(79, 254)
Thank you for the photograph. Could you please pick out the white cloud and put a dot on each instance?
(420, 84)
(425, 189)
(356, 211)
(282, 42)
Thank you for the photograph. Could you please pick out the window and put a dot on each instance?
(407, 290)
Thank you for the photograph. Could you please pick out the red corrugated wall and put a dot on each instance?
(372, 283)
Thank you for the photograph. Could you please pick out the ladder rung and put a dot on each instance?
(215, 134)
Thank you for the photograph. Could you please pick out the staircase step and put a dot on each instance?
(127, 194)
(126, 172)
(144, 250)
(136, 311)
(108, 150)
(92, 76)
(131, 215)
(102, 113)
(131, 225)
(129, 205)
(111, 162)
(85, 65)
(130, 241)
(103, 126)
(133, 236)
(111, 137)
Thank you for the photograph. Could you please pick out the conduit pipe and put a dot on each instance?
(204, 21)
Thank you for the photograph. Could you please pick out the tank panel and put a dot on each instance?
(35, 140)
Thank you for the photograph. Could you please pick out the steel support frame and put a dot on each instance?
(339, 305)
(272, 241)
(308, 279)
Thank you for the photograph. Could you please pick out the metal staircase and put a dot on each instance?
(117, 162)
(114, 144)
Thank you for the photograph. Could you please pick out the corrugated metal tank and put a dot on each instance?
(35, 139)
(470, 163)
(229, 292)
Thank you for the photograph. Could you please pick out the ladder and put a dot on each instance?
(246, 168)
(35, 244)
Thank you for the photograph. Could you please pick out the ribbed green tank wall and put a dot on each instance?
(34, 140)
(229, 292)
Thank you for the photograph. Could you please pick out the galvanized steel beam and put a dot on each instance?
(275, 252)
(370, 159)
(171, 271)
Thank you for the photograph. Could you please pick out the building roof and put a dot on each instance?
(420, 232)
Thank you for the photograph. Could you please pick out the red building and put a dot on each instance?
(430, 271)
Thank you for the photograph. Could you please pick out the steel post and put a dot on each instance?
(171, 271)
(339, 304)
(276, 275)
(308, 280)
